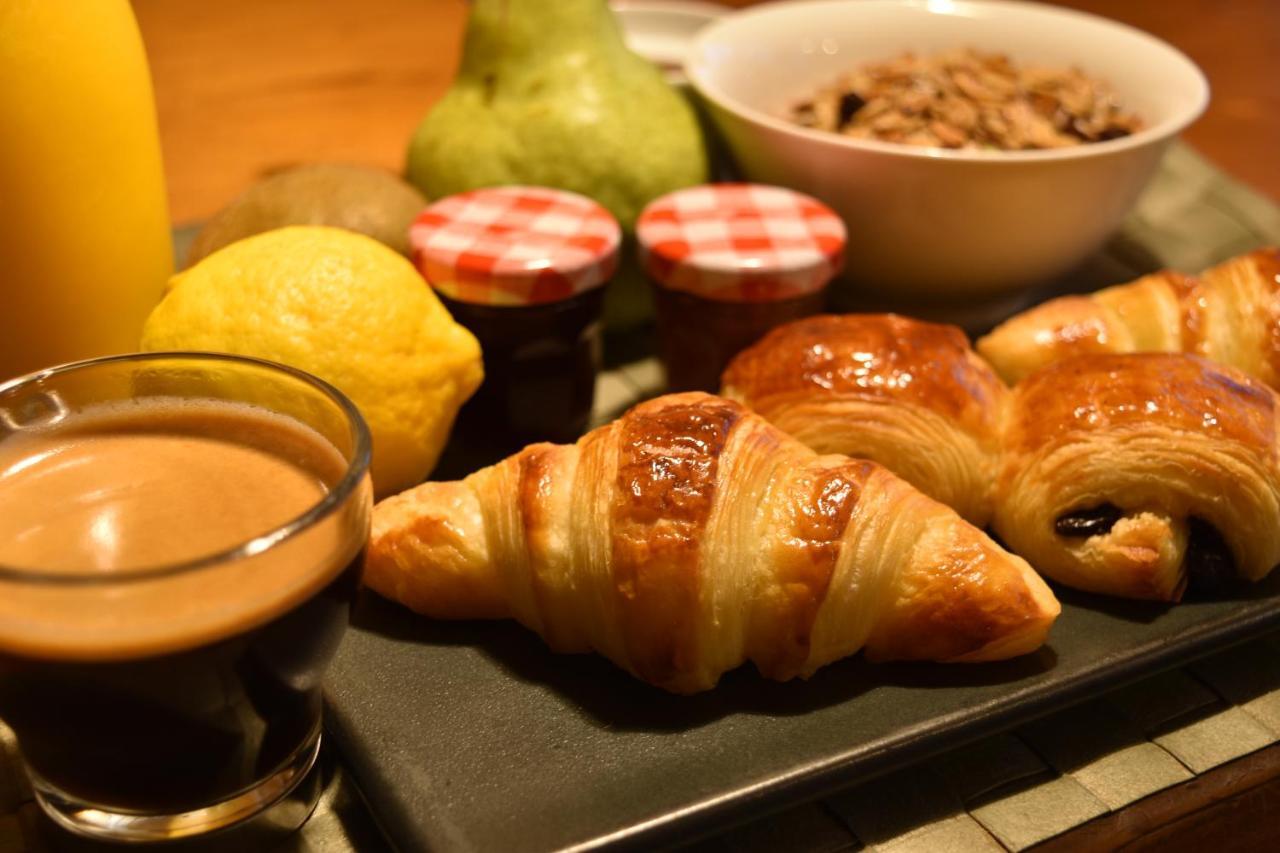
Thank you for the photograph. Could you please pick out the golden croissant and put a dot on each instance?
(1229, 314)
(691, 536)
(1135, 475)
(908, 394)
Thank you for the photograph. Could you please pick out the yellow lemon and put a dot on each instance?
(343, 307)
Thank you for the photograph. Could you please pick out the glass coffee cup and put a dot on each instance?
(181, 540)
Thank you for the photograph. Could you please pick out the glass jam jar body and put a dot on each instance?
(698, 337)
(524, 269)
(729, 262)
(540, 366)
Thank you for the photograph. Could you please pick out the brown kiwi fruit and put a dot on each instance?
(369, 201)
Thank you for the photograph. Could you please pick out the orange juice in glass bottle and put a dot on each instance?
(84, 228)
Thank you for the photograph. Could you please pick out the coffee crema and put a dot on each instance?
(121, 490)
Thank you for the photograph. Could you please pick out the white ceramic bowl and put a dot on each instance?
(930, 224)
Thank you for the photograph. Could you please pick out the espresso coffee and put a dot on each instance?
(171, 654)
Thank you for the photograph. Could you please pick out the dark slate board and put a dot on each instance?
(473, 736)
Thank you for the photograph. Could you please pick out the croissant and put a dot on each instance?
(908, 394)
(691, 536)
(1230, 314)
(1134, 475)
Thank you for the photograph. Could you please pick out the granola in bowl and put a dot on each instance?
(968, 99)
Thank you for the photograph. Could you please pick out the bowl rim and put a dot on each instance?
(683, 9)
(695, 72)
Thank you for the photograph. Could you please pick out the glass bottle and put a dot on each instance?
(85, 243)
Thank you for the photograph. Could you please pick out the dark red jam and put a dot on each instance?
(540, 366)
(698, 337)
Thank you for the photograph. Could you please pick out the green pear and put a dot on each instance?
(549, 95)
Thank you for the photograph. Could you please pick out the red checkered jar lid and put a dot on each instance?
(741, 242)
(515, 245)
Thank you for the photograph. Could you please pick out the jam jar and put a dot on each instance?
(728, 262)
(524, 269)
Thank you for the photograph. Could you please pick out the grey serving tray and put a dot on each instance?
(473, 736)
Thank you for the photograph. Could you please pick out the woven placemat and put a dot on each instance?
(1008, 792)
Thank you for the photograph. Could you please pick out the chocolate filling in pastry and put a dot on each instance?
(1209, 564)
(1096, 521)
(1208, 561)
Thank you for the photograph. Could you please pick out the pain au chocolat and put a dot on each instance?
(1132, 476)
(908, 394)
(1138, 475)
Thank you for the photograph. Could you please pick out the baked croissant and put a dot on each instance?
(908, 394)
(691, 536)
(1133, 475)
(1230, 314)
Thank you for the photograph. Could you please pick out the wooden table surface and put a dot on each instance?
(245, 87)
